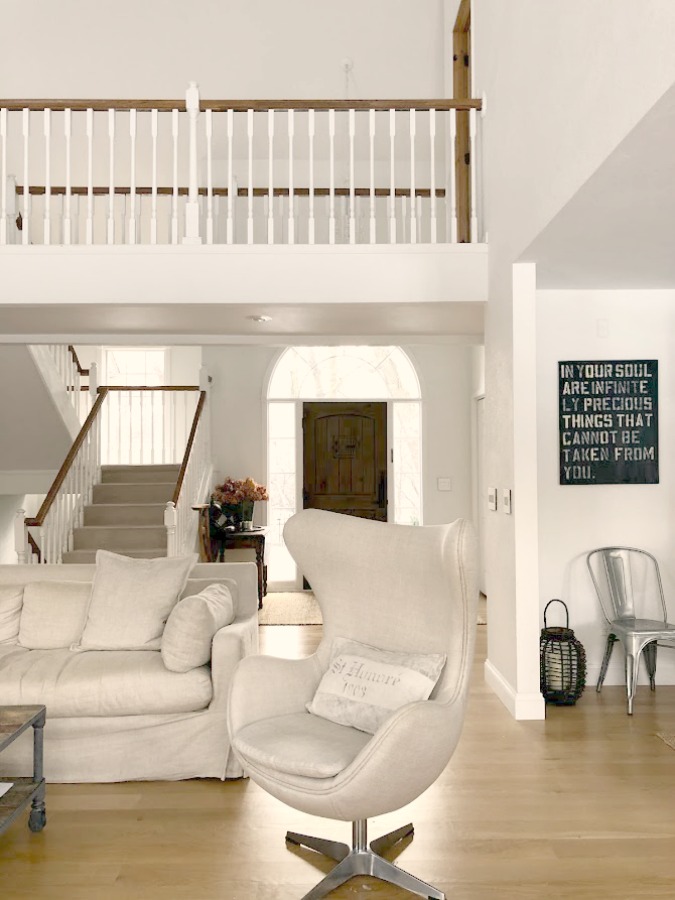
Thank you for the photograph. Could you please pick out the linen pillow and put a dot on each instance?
(53, 613)
(11, 600)
(363, 685)
(192, 623)
(131, 600)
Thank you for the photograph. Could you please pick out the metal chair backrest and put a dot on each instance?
(628, 583)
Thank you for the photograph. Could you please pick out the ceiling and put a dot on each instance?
(618, 231)
(182, 323)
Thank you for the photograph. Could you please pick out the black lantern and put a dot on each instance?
(562, 663)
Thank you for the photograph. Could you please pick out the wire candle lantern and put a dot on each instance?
(562, 663)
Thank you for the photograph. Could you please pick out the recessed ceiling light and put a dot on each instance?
(260, 319)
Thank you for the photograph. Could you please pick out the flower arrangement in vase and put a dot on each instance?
(232, 503)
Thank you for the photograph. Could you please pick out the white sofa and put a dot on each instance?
(120, 715)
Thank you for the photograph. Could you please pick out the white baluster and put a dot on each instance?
(209, 175)
(432, 176)
(413, 205)
(4, 187)
(352, 195)
(291, 195)
(270, 176)
(174, 202)
(131, 233)
(89, 231)
(141, 419)
(154, 123)
(451, 201)
(166, 419)
(230, 178)
(25, 232)
(331, 176)
(153, 403)
(371, 153)
(392, 176)
(47, 131)
(474, 167)
(311, 130)
(111, 178)
(192, 205)
(67, 133)
(249, 235)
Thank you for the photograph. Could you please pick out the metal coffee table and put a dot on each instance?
(14, 720)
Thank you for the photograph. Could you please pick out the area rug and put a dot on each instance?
(290, 608)
(667, 738)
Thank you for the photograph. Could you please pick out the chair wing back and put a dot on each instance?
(396, 587)
(627, 582)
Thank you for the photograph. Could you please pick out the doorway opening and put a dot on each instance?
(361, 373)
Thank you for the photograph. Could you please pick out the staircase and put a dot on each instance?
(127, 513)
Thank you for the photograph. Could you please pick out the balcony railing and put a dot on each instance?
(239, 172)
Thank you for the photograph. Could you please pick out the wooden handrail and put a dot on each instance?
(441, 103)
(39, 190)
(143, 387)
(68, 461)
(76, 361)
(188, 448)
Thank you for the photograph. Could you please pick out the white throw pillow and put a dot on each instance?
(11, 599)
(131, 600)
(53, 614)
(363, 685)
(189, 631)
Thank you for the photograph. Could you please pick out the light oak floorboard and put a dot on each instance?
(579, 806)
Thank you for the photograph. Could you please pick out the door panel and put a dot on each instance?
(345, 458)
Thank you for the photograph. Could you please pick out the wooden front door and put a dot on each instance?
(345, 458)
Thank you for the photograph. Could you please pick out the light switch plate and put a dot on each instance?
(506, 501)
(444, 484)
(492, 499)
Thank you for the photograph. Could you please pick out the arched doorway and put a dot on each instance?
(339, 373)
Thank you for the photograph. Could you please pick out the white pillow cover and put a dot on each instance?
(192, 623)
(11, 600)
(53, 614)
(131, 600)
(363, 685)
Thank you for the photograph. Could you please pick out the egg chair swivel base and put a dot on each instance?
(363, 858)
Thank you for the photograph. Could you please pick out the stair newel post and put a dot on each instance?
(21, 536)
(170, 522)
(205, 385)
(192, 205)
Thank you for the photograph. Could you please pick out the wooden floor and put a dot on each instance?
(580, 806)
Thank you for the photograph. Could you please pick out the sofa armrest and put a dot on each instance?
(230, 645)
(265, 686)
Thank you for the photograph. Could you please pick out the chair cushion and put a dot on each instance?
(131, 600)
(53, 613)
(192, 623)
(11, 600)
(299, 744)
(364, 685)
(100, 683)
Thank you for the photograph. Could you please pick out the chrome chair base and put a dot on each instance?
(363, 859)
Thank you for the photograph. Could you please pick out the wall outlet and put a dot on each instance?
(506, 501)
(492, 499)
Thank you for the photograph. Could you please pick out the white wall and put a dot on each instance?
(238, 49)
(576, 518)
(560, 96)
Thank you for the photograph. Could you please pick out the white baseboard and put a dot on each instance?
(521, 706)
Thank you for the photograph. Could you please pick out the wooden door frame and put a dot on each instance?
(461, 90)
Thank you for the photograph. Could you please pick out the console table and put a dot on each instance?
(212, 548)
(14, 720)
